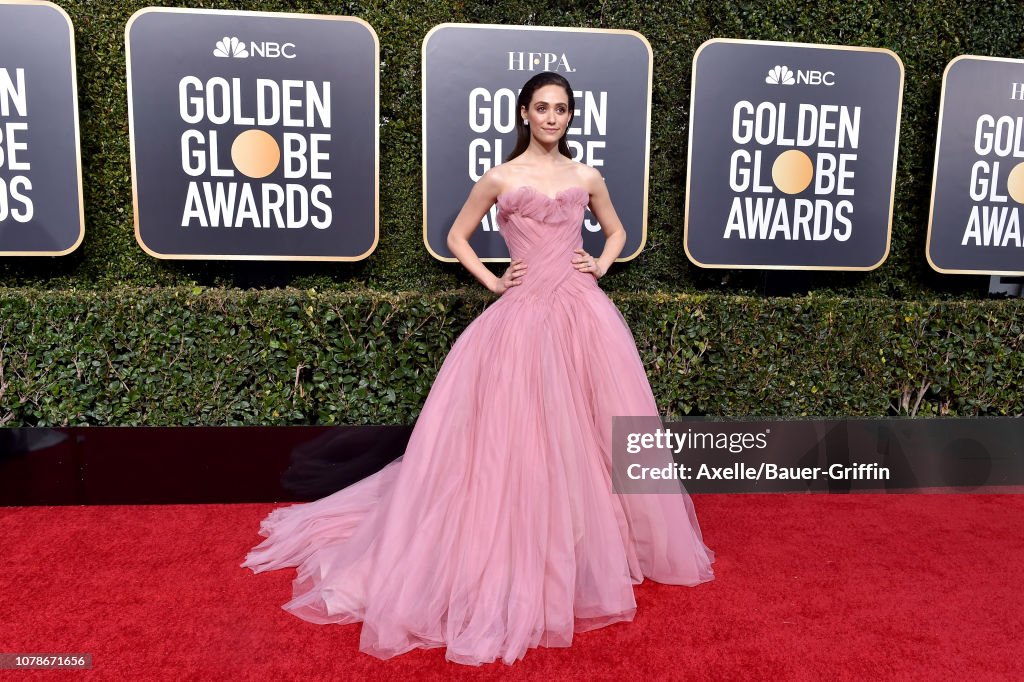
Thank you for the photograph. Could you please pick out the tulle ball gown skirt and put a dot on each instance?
(498, 530)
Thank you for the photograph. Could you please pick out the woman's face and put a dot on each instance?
(548, 115)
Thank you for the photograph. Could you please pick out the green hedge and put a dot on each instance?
(925, 35)
(183, 356)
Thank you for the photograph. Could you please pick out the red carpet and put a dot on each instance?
(808, 587)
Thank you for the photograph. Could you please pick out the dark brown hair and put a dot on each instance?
(524, 100)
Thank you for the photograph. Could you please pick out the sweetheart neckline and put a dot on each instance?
(546, 196)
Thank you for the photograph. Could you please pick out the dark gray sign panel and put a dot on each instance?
(974, 226)
(792, 158)
(41, 210)
(254, 134)
(472, 75)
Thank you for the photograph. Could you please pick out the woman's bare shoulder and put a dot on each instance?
(495, 179)
(588, 176)
(505, 172)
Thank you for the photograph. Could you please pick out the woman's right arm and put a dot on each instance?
(481, 198)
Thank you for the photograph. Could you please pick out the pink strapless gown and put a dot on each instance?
(497, 530)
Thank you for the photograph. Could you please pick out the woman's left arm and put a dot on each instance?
(602, 208)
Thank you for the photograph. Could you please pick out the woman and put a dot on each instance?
(498, 529)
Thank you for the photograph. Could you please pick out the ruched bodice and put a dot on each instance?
(544, 232)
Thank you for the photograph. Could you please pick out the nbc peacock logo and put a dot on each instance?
(230, 47)
(780, 75)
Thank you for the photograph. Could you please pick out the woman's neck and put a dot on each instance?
(540, 153)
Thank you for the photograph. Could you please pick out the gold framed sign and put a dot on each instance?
(792, 155)
(974, 220)
(469, 114)
(254, 135)
(41, 207)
